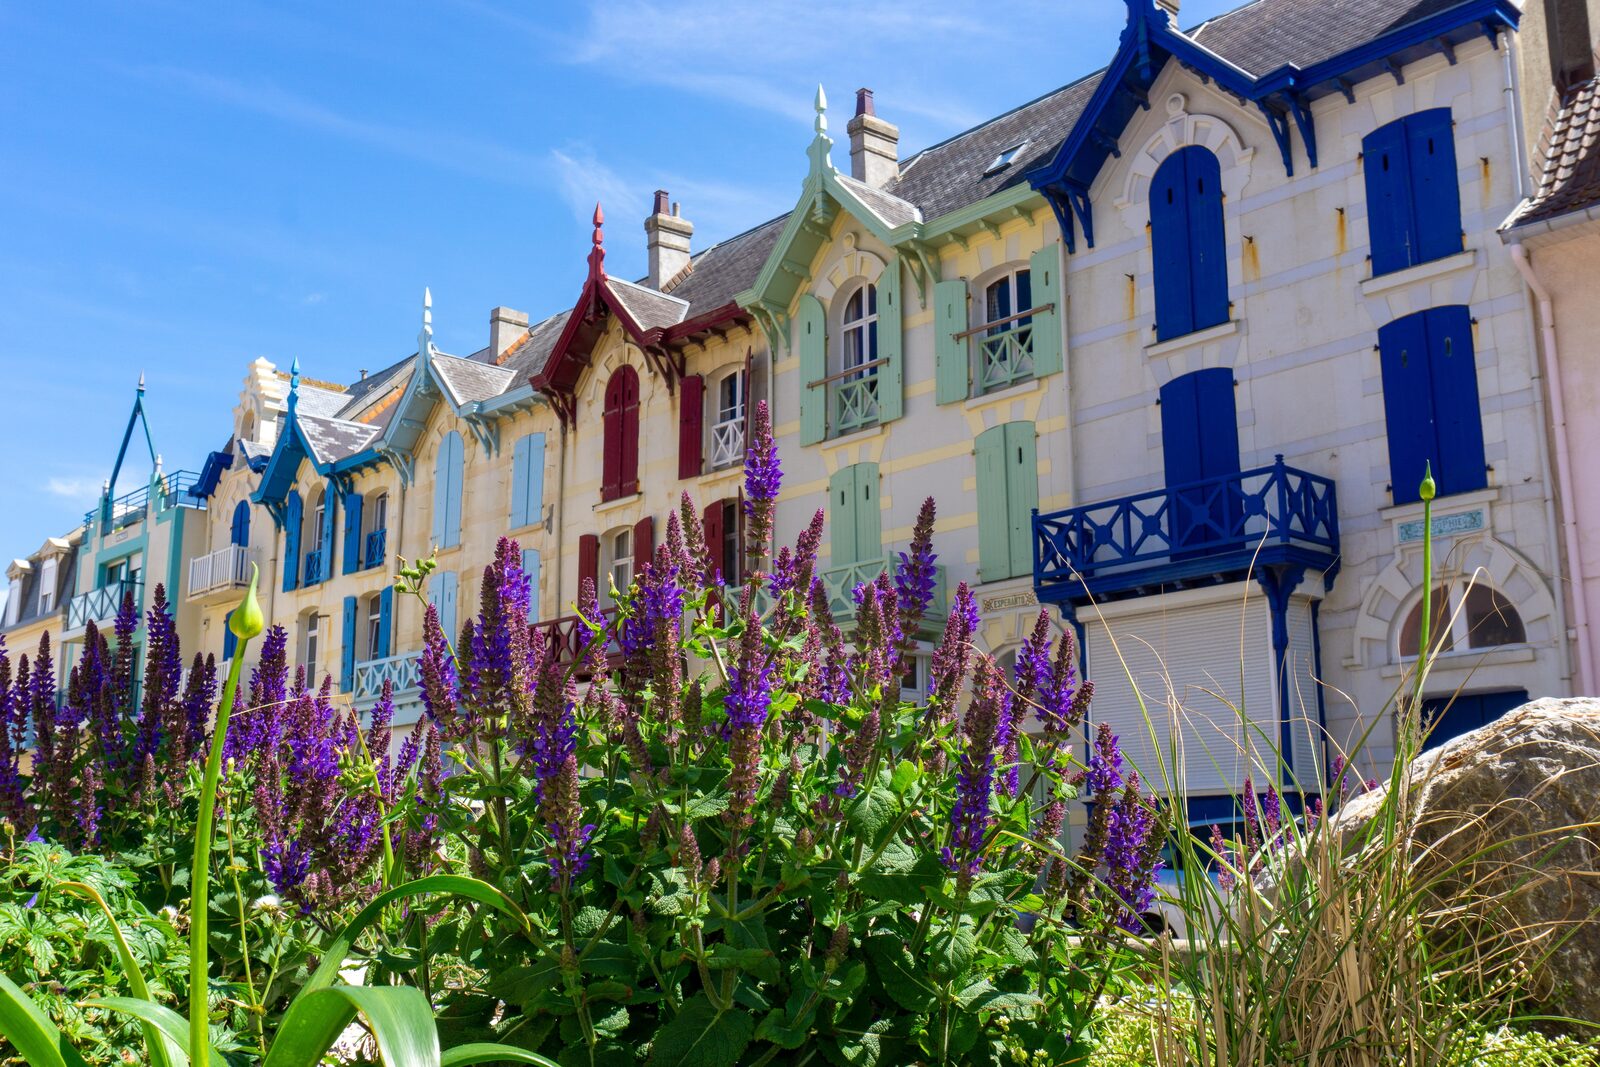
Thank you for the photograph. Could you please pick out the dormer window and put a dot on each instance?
(47, 586)
(1006, 157)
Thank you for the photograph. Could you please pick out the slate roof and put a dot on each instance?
(528, 355)
(1569, 158)
(649, 309)
(468, 381)
(334, 439)
(888, 207)
(727, 268)
(1268, 34)
(326, 403)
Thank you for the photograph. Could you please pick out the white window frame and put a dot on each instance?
(619, 561)
(374, 624)
(49, 580)
(310, 647)
(858, 335)
(728, 422)
(1452, 611)
(318, 515)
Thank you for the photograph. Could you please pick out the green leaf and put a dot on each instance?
(163, 1020)
(162, 1052)
(399, 1018)
(950, 951)
(701, 1036)
(897, 971)
(871, 814)
(335, 952)
(911, 886)
(31, 1031)
(777, 1029)
(905, 776)
(488, 1052)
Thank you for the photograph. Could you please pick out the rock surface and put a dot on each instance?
(1526, 788)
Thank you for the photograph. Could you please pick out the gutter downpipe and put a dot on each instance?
(1512, 91)
(1551, 368)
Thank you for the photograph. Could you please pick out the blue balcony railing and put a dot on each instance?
(1209, 529)
(172, 490)
(316, 567)
(377, 544)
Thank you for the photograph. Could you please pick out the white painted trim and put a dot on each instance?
(1434, 268)
(1161, 349)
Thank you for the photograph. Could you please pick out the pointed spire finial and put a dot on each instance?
(425, 335)
(294, 383)
(597, 254)
(820, 152)
(821, 105)
(141, 383)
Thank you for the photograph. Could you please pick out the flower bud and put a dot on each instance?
(247, 620)
(1428, 490)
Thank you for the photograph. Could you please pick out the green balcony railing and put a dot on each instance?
(1005, 357)
(841, 582)
(855, 399)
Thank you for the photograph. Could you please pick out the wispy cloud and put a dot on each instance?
(78, 490)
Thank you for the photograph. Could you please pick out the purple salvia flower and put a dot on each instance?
(917, 577)
(763, 476)
(1105, 763)
(1225, 860)
(496, 679)
(438, 671)
(982, 742)
(163, 670)
(1132, 854)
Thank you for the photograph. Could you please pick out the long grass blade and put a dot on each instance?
(160, 1049)
(489, 1052)
(164, 1020)
(31, 1032)
(399, 1018)
(335, 952)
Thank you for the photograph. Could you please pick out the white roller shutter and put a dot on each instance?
(1305, 725)
(1201, 669)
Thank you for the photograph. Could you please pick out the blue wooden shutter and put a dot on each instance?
(952, 366)
(347, 649)
(352, 531)
(811, 334)
(330, 507)
(1219, 422)
(1208, 249)
(447, 492)
(530, 567)
(1022, 492)
(1169, 248)
(535, 489)
(519, 483)
(1407, 404)
(290, 563)
(994, 512)
(1180, 431)
(229, 642)
(1044, 287)
(240, 533)
(891, 347)
(1435, 191)
(842, 504)
(1459, 464)
(443, 594)
(385, 622)
(1390, 225)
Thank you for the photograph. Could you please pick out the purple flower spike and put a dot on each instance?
(762, 478)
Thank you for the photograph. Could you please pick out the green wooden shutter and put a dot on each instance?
(869, 515)
(1022, 491)
(811, 326)
(842, 517)
(994, 512)
(891, 376)
(953, 364)
(1044, 275)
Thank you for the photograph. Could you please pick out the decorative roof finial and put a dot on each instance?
(425, 335)
(294, 383)
(821, 144)
(821, 105)
(597, 254)
(141, 383)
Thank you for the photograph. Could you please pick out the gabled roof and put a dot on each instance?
(333, 446)
(467, 382)
(1568, 162)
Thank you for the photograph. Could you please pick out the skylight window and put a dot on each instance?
(1006, 157)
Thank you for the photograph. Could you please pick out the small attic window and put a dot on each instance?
(1006, 157)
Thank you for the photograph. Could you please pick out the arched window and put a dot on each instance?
(1187, 244)
(317, 555)
(375, 627)
(1466, 616)
(1005, 351)
(859, 328)
(620, 459)
(310, 646)
(240, 532)
(447, 474)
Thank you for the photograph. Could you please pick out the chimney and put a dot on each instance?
(874, 144)
(668, 240)
(1171, 8)
(506, 327)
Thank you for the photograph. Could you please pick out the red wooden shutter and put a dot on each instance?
(691, 425)
(611, 452)
(711, 521)
(644, 542)
(589, 561)
(629, 472)
(749, 394)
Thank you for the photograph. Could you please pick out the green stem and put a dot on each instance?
(200, 872)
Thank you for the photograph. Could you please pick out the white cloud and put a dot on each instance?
(77, 490)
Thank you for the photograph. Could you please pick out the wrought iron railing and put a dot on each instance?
(1273, 509)
(1005, 356)
(99, 605)
(226, 568)
(316, 566)
(377, 544)
(403, 673)
(727, 443)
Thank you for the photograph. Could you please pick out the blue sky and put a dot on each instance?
(187, 186)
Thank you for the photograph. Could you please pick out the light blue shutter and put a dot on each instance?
(229, 642)
(519, 483)
(530, 567)
(347, 650)
(447, 492)
(952, 370)
(330, 507)
(892, 375)
(811, 328)
(1045, 279)
(442, 594)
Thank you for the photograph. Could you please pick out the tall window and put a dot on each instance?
(860, 328)
(374, 627)
(239, 532)
(619, 562)
(1413, 197)
(1430, 399)
(47, 586)
(379, 510)
(727, 429)
(620, 458)
(319, 514)
(14, 602)
(1187, 244)
(1005, 350)
(310, 638)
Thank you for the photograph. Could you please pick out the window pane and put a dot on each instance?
(1441, 638)
(1024, 290)
(852, 310)
(997, 300)
(1491, 620)
(872, 300)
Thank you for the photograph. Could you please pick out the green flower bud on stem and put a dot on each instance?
(1428, 489)
(247, 620)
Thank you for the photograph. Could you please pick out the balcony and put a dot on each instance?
(727, 443)
(219, 572)
(404, 675)
(376, 544)
(99, 606)
(1005, 352)
(1216, 529)
(316, 567)
(567, 636)
(130, 509)
(841, 582)
(853, 397)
